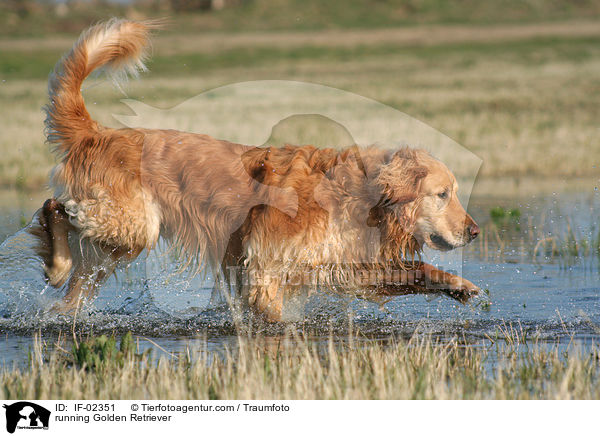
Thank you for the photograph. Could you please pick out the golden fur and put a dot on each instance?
(276, 212)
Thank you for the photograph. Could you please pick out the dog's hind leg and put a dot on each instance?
(90, 272)
(83, 285)
(52, 232)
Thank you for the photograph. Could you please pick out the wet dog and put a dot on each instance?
(275, 212)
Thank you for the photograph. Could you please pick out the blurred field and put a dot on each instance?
(522, 95)
(42, 17)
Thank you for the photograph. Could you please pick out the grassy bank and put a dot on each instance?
(296, 369)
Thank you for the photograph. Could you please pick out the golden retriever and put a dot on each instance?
(278, 214)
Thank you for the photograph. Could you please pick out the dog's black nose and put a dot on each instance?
(474, 230)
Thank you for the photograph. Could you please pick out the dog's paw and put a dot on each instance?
(462, 290)
(62, 308)
(267, 302)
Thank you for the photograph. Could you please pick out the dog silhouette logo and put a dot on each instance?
(26, 415)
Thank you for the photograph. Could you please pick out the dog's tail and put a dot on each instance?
(117, 46)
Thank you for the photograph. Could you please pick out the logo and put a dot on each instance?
(26, 415)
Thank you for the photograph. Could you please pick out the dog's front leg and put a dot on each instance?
(422, 278)
(456, 287)
(266, 298)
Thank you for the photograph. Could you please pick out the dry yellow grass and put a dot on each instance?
(293, 368)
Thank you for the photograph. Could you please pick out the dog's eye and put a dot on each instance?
(443, 195)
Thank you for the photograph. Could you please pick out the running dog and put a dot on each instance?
(275, 212)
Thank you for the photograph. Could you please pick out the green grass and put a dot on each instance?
(37, 64)
(293, 367)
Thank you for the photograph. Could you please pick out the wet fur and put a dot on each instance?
(270, 210)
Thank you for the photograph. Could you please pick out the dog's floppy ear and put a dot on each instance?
(377, 212)
(401, 176)
(254, 162)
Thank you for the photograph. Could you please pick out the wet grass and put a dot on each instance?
(536, 241)
(507, 367)
(569, 247)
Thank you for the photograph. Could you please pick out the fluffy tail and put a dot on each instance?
(118, 46)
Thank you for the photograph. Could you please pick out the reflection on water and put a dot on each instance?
(545, 294)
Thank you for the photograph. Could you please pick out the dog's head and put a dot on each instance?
(421, 192)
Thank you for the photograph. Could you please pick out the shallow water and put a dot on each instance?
(553, 298)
